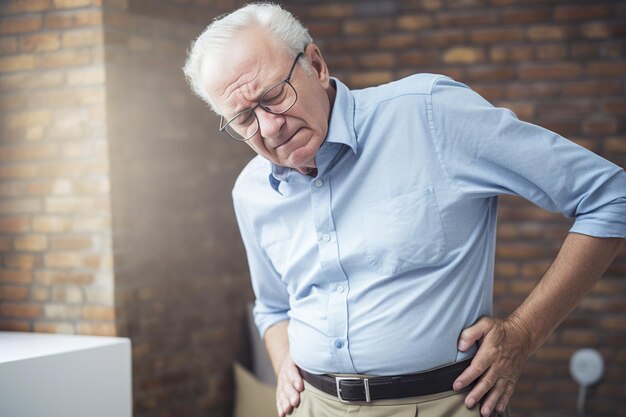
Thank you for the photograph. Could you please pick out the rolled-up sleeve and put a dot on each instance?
(487, 151)
(272, 300)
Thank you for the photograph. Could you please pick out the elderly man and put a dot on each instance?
(369, 223)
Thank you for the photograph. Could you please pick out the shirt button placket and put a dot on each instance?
(329, 258)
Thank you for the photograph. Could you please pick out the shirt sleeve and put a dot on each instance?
(272, 300)
(486, 151)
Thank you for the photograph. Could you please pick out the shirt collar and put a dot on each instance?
(340, 130)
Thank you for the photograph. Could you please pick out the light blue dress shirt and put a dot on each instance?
(382, 259)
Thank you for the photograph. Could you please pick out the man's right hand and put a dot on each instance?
(289, 385)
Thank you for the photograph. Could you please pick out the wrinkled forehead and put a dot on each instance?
(237, 77)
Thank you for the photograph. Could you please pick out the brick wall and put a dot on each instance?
(115, 211)
(56, 270)
(115, 214)
(559, 64)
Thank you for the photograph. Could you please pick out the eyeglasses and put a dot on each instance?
(276, 100)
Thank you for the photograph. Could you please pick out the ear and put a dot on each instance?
(320, 69)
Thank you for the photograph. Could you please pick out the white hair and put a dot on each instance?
(217, 37)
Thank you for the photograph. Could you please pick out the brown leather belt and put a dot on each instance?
(358, 388)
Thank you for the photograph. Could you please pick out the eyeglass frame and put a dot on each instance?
(287, 80)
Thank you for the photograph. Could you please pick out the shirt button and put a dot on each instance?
(338, 344)
(319, 183)
(326, 237)
(339, 289)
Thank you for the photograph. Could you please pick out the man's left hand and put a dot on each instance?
(504, 349)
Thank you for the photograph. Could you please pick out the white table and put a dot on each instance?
(52, 375)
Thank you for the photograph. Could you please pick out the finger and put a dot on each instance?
(506, 396)
(283, 405)
(481, 362)
(473, 334)
(481, 389)
(489, 404)
(290, 393)
(295, 378)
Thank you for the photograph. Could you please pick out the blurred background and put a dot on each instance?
(115, 207)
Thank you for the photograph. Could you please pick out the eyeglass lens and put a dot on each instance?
(276, 100)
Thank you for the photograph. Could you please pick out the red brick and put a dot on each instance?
(440, 38)
(31, 243)
(549, 33)
(27, 118)
(551, 52)
(490, 72)
(19, 260)
(63, 260)
(27, 81)
(615, 144)
(396, 41)
(533, 89)
(366, 26)
(323, 28)
(600, 125)
(419, 58)
(83, 38)
(14, 63)
(606, 68)
(617, 323)
(615, 106)
(71, 242)
(8, 45)
(516, 53)
(67, 4)
(592, 88)
(47, 277)
(521, 251)
(45, 326)
(73, 19)
(21, 310)
(463, 55)
(23, 6)
(18, 171)
(331, 11)
(465, 18)
(97, 261)
(496, 35)
(40, 42)
(12, 102)
(581, 12)
(13, 293)
(98, 312)
(20, 24)
(603, 30)
(524, 16)
(15, 325)
(366, 79)
(414, 22)
(28, 152)
(376, 60)
(96, 328)
(51, 224)
(350, 45)
(20, 205)
(70, 58)
(14, 224)
(561, 70)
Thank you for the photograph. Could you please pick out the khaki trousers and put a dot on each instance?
(316, 403)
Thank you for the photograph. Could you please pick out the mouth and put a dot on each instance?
(287, 140)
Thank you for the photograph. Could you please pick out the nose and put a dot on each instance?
(270, 124)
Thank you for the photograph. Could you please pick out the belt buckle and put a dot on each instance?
(366, 387)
